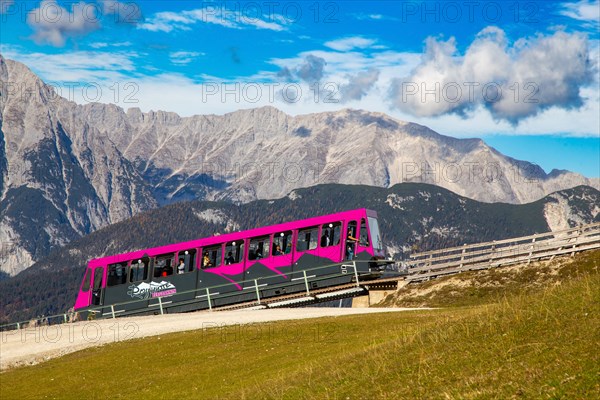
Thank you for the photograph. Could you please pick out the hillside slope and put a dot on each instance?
(542, 344)
(494, 285)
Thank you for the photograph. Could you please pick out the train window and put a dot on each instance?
(351, 229)
(282, 243)
(139, 270)
(97, 292)
(330, 234)
(98, 273)
(259, 248)
(234, 252)
(364, 235)
(87, 280)
(163, 265)
(375, 235)
(212, 256)
(117, 274)
(351, 240)
(189, 261)
(307, 239)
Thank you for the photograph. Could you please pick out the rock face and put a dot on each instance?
(67, 169)
(264, 153)
(570, 208)
(61, 177)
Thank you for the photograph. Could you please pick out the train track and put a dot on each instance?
(318, 295)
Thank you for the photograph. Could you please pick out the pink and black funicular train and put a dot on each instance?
(238, 267)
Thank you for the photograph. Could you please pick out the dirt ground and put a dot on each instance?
(33, 345)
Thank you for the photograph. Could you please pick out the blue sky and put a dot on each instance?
(521, 75)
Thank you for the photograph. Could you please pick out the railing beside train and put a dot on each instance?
(525, 249)
(209, 294)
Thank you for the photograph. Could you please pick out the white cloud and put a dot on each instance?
(170, 21)
(358, 85)
(513, 83)
(353, 62)
(350, 43)
(310, 70)
(187, 96)
(373, 17)
(184, 57)
(102, 45)
(100, 67)
(167, 21)
(583, 10)
(53, 24)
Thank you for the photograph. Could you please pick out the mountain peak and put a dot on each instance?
(19, 72)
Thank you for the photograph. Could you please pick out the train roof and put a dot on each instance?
(227, 237)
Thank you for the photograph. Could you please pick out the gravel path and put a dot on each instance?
(38, 344)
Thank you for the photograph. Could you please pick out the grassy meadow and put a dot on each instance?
(536, 342)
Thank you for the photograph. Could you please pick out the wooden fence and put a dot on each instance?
(430, 264)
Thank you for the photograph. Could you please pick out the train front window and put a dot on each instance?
(259, 248)
(330, 234)
(117, 274)
(97, 286)
(375, 235)
(307, 239)
(87, 280)
(282, 243)
(234, 252)
(364, 235)
(212, 256)
(163, 265)
(98, 273)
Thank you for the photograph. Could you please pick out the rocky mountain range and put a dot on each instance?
(68, 169)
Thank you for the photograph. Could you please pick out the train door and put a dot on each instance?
(181, 282)
(222, 271)
(97, 289)
(264, 264)
(363, 246)
(350, 241)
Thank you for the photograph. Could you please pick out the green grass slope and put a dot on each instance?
(493, 285)
(540, 343)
